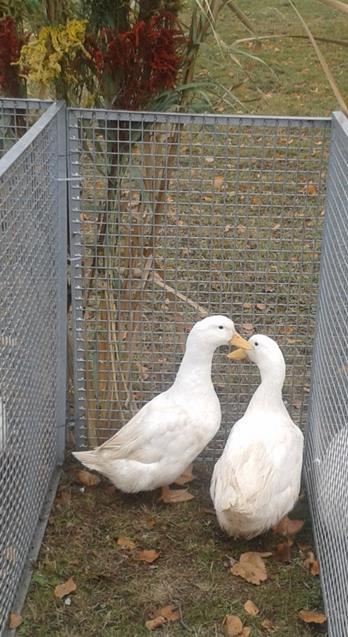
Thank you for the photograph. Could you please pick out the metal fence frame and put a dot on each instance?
(52, 122)
(79, 117)
(325, 466)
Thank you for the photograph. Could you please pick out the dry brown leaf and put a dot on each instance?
(251, 567)
(150, 522)
(156, 622)
(148, 556)
(14, 620)
(63, 498)
(241, 229)
(170, 613)
(251, 608)
(143, 371)
(125, 543)
(311, 563)
(232, 626)
(282, 551)
(312, 617)
(61, 590)
(228, 228)
(246, 632)
(163, 615)
(255, 201)
(247, 306)
(310, 189)
(286, 329)
(218, 181)
(260, 306)
(247, 329)
(268, 626)
(87, 479)
(288, 527)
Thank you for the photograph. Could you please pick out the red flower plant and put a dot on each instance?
(10, 48)
(140, 62)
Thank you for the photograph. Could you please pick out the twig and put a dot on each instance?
(159, 281)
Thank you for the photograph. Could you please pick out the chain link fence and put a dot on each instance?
(176, 216)
(326, 465)
(32, 329)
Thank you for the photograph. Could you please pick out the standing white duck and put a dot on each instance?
(256, 481)
(156, 446)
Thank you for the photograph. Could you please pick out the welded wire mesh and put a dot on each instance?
(16, 117)
(32, 337)
(327, 437)
(173, 216)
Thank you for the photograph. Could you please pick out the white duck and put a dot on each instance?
(256, 481)
(156, 446)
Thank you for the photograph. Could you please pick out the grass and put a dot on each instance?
(293, 83)
(115, 594)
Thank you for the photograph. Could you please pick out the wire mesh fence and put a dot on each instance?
(32, 331)
(176, 216)
(327, 434)
(16, 117)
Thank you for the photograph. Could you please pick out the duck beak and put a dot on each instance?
(238, 355)
(238, 341)
(243, 345)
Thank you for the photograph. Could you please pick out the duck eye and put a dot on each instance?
(221, 327)
(256, 344)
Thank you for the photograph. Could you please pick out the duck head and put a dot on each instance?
(264, 352)
(214, 331)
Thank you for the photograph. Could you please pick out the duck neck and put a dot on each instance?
(269, 393)
(195, 368)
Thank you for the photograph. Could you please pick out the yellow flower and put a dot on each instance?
(41, 60)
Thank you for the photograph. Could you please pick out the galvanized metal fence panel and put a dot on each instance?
(32, 337)
(16, 117)
(326, 465)
(172, 216)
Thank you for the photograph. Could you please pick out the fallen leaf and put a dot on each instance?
(148, 556)
(218, 181)
(232, 626)
(156, 622)
(251, 608)
(260, 306)
(312, 617)
(286, 329)
(310, 189)
(255, 201)
(276, 227)
(163, 615)
(209, 160)
(246, 632)
(143, 371)
(297, 403)
(269, 626)
(241, 229)
(125, 543)
(247, 329)
(171, 613)
(228, 228)
(14, 620)
(87, 479)
(63, 498)
(282, 551)
(250, 567)
(288, 527)
(150, 522)
(61, 590)
(311, 563)
(247, 306)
